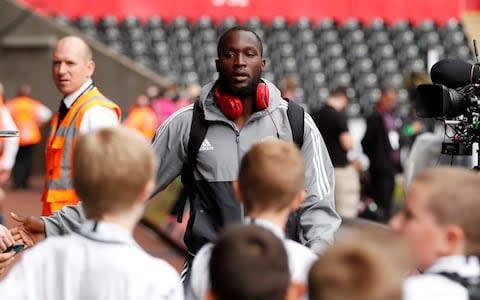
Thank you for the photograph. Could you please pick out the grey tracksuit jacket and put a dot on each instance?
(218, 162)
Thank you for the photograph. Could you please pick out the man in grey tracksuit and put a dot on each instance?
(239, 64)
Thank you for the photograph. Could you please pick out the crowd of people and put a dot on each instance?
(267, 188)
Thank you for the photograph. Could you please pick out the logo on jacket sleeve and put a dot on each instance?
(206, 146)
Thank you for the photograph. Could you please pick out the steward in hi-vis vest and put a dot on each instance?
(59, 189)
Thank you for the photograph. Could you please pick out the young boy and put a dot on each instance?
(440, 221)
(114, 171)
(270, 185)
(365, 263)
(248, 262)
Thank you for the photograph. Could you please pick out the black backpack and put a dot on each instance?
(471, 284)
(198, 131)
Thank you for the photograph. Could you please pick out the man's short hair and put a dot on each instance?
(249, 262)
(238, 28)
(339, 91)
(365, 263)
(112, 167)
(271, 175)
(453, 198)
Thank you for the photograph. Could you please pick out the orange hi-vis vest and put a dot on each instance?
(59, 149)
(24, 113)
(142, 119)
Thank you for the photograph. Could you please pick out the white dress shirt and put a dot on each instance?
(300, 260)
(434, 286)
(10, 147)
(100, 262)
(95, 117)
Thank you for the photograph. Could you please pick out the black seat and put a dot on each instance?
(377, 39)
(130, 22)
(399, 26)
(376, 25)
(331, 51)
(387, 66)
(403, 38)
(351, 24)
(203, 23)
(356, 52)
(108, 21)
(334, 66)
(278, 23)
(382, 52)
(361, 66)
(328, 37)
(154, 23)
(326, 24)
(353, 37)
(84, 22)
(428, 40)
(254, 23)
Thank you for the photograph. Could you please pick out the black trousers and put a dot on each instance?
(22, 170)
(381, 190)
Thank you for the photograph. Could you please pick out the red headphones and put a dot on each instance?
(232, 106)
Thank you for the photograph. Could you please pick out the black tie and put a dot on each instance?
(62, 112)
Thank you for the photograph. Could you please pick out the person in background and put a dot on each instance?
(381, 143)
(8, 148)
(141, 117)
(440, 224)
(290, 89)
(101, 260)
(164, 105)
(331, 120)
(82, 109)
(29, 115)
(366, 262)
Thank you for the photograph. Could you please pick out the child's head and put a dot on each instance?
(113, 170)
(364, 263)
(248, 262)
(271, 176)
(440, 215)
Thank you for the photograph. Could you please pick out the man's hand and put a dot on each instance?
(30, 231)
(6, 238)
(4, 176)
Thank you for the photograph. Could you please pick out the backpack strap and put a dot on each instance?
(198, 131)
(296, 119)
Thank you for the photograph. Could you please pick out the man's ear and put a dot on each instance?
(236, 190)
(91, 68)
(210, 295)
(298, 200)
(217, 65)
(296, 291)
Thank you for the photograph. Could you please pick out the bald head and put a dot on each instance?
(79, 43)
(72, 64)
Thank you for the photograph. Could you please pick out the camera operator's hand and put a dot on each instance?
(30, 231)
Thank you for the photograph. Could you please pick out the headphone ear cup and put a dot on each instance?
(230, 106)
(261, 100)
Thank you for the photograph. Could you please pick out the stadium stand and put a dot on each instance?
(323, 55)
